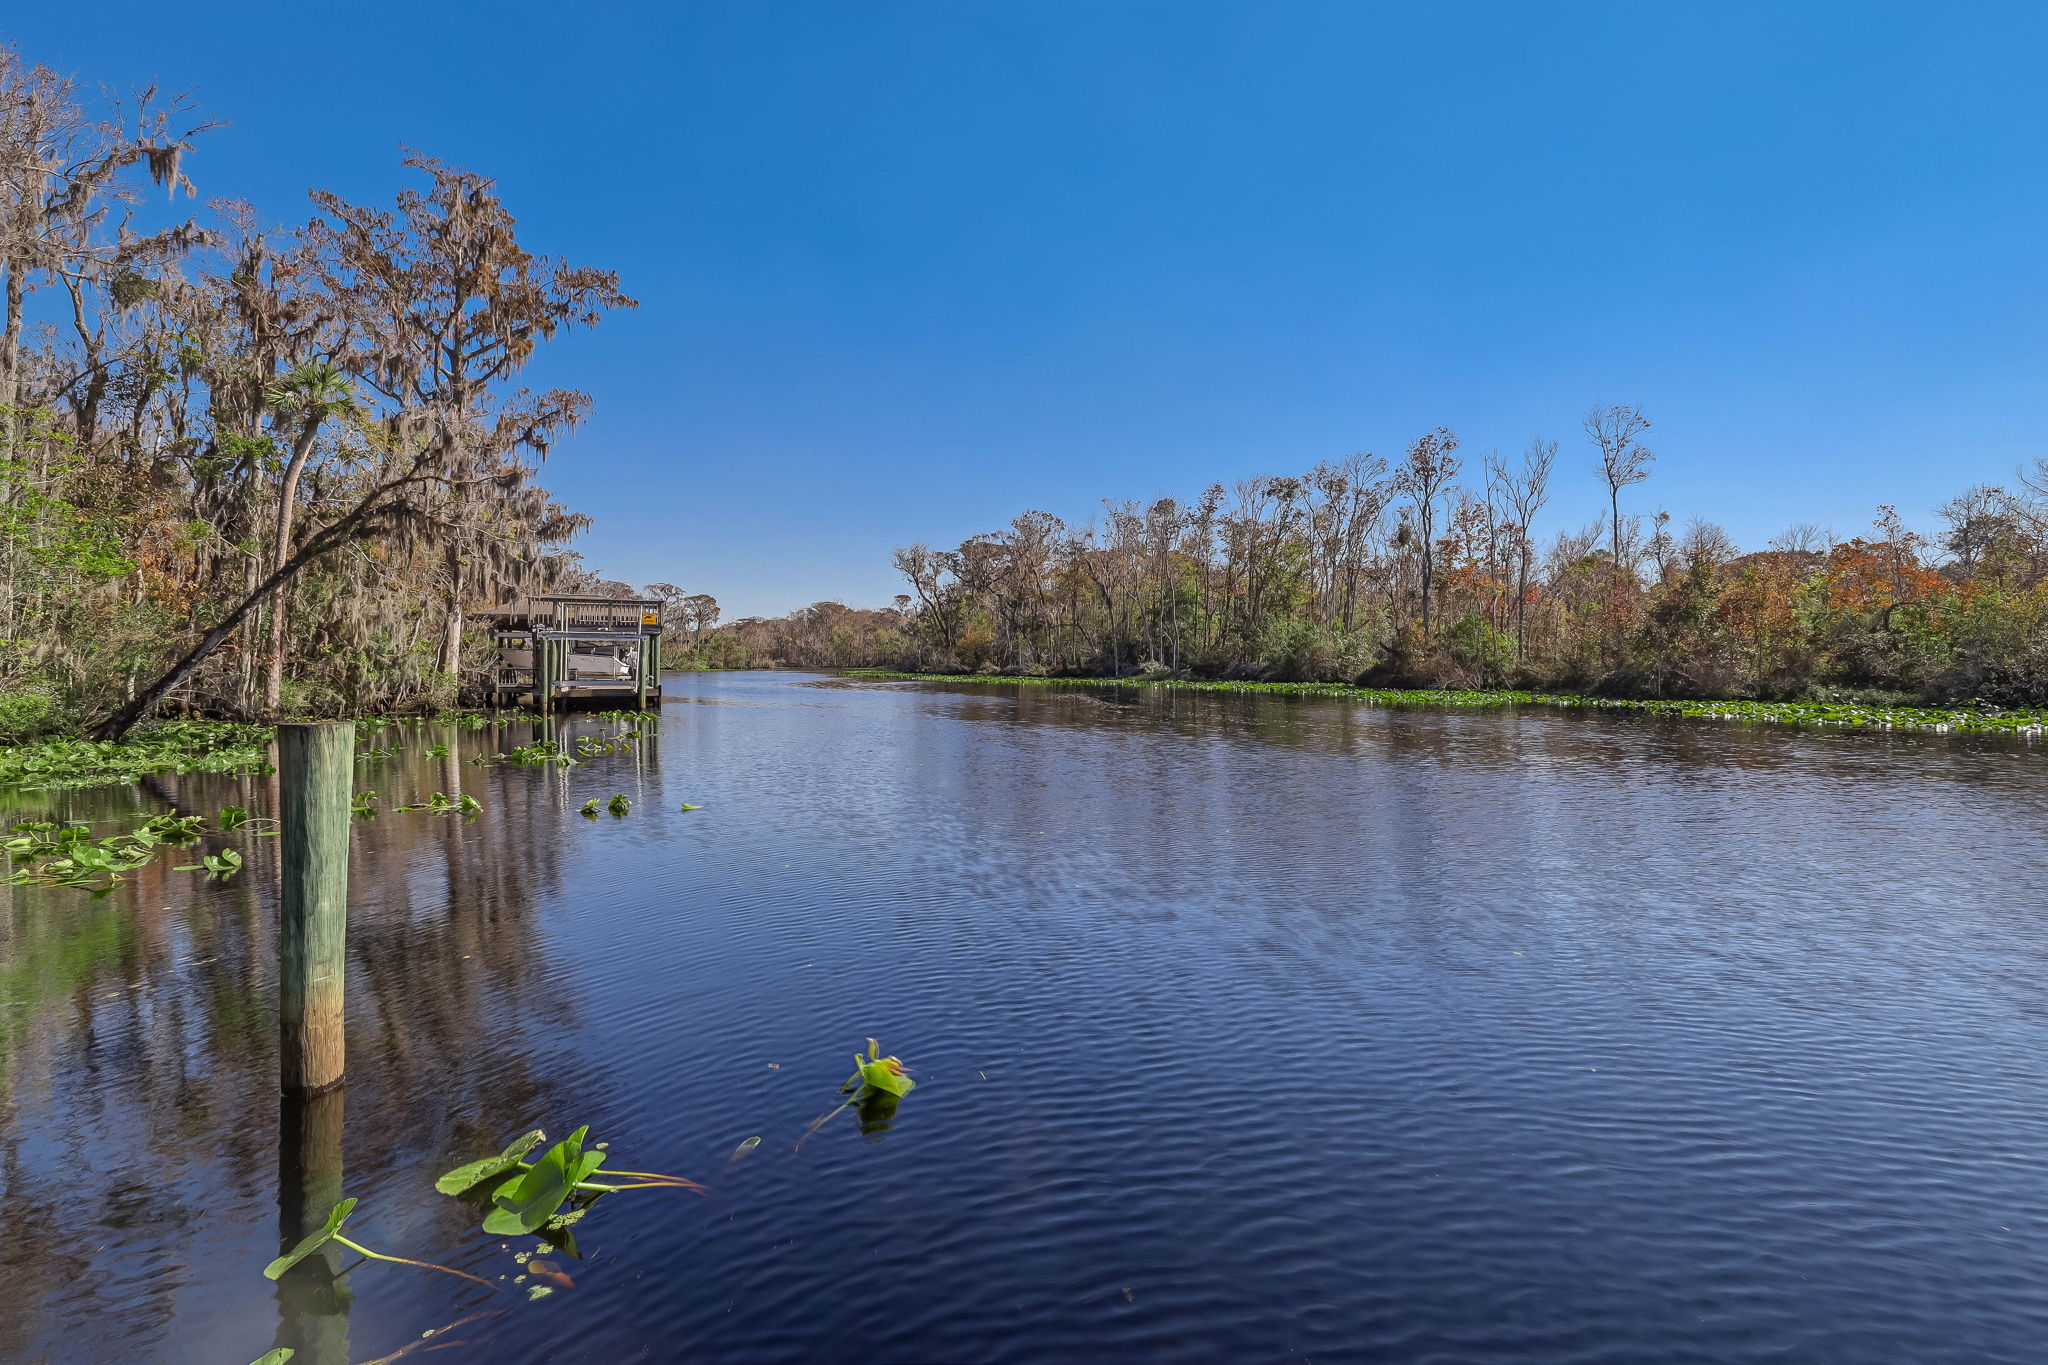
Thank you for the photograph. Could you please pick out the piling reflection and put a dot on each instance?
(313, 1296)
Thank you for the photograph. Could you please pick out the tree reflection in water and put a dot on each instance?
(142, 1028)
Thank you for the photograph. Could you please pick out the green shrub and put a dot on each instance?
(31, 715)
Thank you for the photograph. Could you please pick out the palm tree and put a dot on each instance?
(308, 396)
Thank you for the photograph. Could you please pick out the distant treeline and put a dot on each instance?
(1424, 573)
(257, 470)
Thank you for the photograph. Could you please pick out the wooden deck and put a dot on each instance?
(554, 651)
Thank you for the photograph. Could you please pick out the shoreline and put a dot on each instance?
(1926, 719)
(173, 748)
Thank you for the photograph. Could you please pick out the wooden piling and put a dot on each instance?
(316, 777)
(640, 676)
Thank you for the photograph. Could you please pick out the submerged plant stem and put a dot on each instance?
(820, 1123)
(401, 1260)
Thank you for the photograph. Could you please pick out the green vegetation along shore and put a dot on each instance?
(1939, 718)
(163, 749)
(170, 748)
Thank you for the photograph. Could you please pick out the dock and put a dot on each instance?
(556, 652)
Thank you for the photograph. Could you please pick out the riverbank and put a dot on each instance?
(1970, 720)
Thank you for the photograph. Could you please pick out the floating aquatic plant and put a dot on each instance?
(687, 806)
(167, 747)
(337, 1217)
(540, 751)
(54, 853)
(217, 866)
(879, 1073)
(618, 805)
(440, 804)
(532, 1194)
(1976, 719)
(49, 853)
(628, 718)
(876, 1085)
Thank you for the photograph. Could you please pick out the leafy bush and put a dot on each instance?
(31, 715)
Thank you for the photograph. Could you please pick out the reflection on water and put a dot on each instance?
(1245, 1028)
(142, 1127)
(313, 1297)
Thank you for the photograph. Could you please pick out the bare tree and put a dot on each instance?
(1525, 490)
(1705, 543)
(1802, 538)
(1623, 461)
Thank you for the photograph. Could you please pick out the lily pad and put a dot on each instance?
(336, 1216)
(477, 1172)
(528, 1200)
(877, 1072)
(884, 1075)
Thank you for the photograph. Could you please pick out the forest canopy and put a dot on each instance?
(263, 470)
(1424, 571)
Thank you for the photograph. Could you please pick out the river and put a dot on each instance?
(1245, 1029)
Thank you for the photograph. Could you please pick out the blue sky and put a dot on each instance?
(907, 269)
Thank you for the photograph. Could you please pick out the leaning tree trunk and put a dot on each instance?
(356, 524)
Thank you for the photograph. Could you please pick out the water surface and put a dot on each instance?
(1247, 1029)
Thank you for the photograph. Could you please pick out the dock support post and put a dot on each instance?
(640, 677)
(316, 774)
(654, 665)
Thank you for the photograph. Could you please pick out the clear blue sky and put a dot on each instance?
(907, 269)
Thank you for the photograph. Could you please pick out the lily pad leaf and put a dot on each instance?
(886, 1075)
(277, 1357)
(528, 1200)
(477, 1172)
(336, 1216)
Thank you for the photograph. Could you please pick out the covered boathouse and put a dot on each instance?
(557, 652)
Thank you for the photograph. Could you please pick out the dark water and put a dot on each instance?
(1247, 1029)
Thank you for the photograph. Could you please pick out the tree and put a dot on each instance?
(307, 397)
(700, 610)
(62, 171)
(375, 513)
(437, 308)
(1525, 490)
(1623, 461)
(444, 309)
(1424, 475)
